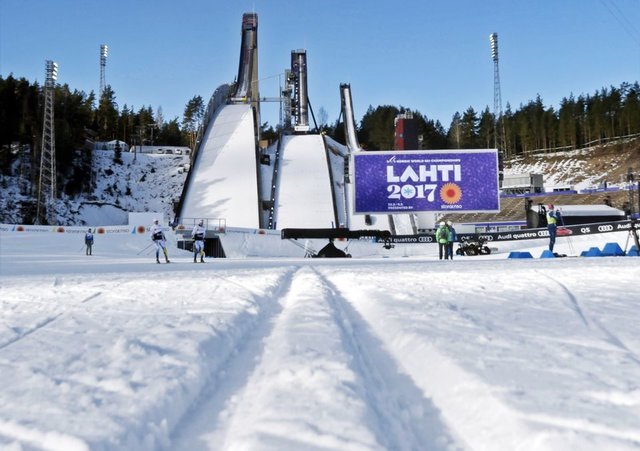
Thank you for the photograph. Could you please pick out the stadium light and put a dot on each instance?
(493, 39)
(51, 74)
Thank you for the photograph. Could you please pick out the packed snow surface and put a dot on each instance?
(113, 351)
(305, 199)
(223, 181)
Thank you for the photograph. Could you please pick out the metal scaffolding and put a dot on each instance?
(499, 132)
(46, 211)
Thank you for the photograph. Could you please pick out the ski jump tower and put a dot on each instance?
(46, 212)
(246, 88)
(300, 97)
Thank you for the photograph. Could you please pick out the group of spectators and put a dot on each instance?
(445, 237)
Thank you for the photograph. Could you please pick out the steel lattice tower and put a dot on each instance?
(103, 65)
(46, 211)
(499, 134)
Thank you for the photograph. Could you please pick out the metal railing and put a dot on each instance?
(216, 225)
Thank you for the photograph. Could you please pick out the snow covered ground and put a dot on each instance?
(113, 351)
(223, 182)
(305, 199)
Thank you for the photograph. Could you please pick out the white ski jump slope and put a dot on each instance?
(224, 178)
(304, 198)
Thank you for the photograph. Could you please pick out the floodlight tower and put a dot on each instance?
(499, 138)
(46, 212)
(103, 65)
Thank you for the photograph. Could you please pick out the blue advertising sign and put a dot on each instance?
(440, 181)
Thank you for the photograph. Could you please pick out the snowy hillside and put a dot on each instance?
(150, 183)
(583, 168)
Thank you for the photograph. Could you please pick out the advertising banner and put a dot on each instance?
(20, 228)
(524, 234)
(451, 181)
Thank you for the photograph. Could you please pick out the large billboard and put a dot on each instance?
(447, 181)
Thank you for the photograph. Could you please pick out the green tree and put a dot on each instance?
(126, 123)
(268, 133)
(192, 119)
(469, 129)
(568, 122)
(509, 131)
(377, 128)
(170, 134)
(433, 134)
(107, 115)
(454, 135)
(630, 114)
(487, 132)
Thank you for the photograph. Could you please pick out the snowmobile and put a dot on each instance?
(475, 246)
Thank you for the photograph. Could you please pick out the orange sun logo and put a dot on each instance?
(450, 193)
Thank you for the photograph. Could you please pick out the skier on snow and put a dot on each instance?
(198, 241)
(88, 241)
(159, 239)
(553, 220)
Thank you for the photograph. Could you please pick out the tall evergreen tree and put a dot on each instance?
(487, 130)
(107, 115)
(192, 119)
(454, 136)
(630, 115)
(377, 128)
(171, 135)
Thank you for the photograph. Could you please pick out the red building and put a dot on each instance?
(406, 133)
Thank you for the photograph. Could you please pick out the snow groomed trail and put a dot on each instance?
(289, 354)
(319, 382)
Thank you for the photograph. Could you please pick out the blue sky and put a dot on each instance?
(429, 56)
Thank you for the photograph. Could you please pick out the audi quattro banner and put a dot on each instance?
(524, 234)
(441, 181)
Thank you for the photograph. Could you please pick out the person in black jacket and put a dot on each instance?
(159, 239)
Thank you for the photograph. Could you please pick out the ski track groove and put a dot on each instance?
(230, 376)
(589, 320)
(47, 321)
(374, 364)
(30, 331)
(573, 301)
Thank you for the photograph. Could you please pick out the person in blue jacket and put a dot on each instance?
(88, 241)
(553, 220)
(452, 239)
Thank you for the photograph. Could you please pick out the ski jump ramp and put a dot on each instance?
(304, 197)
(225, 181)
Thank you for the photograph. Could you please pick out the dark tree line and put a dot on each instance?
(587, 119)
(582, 120)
